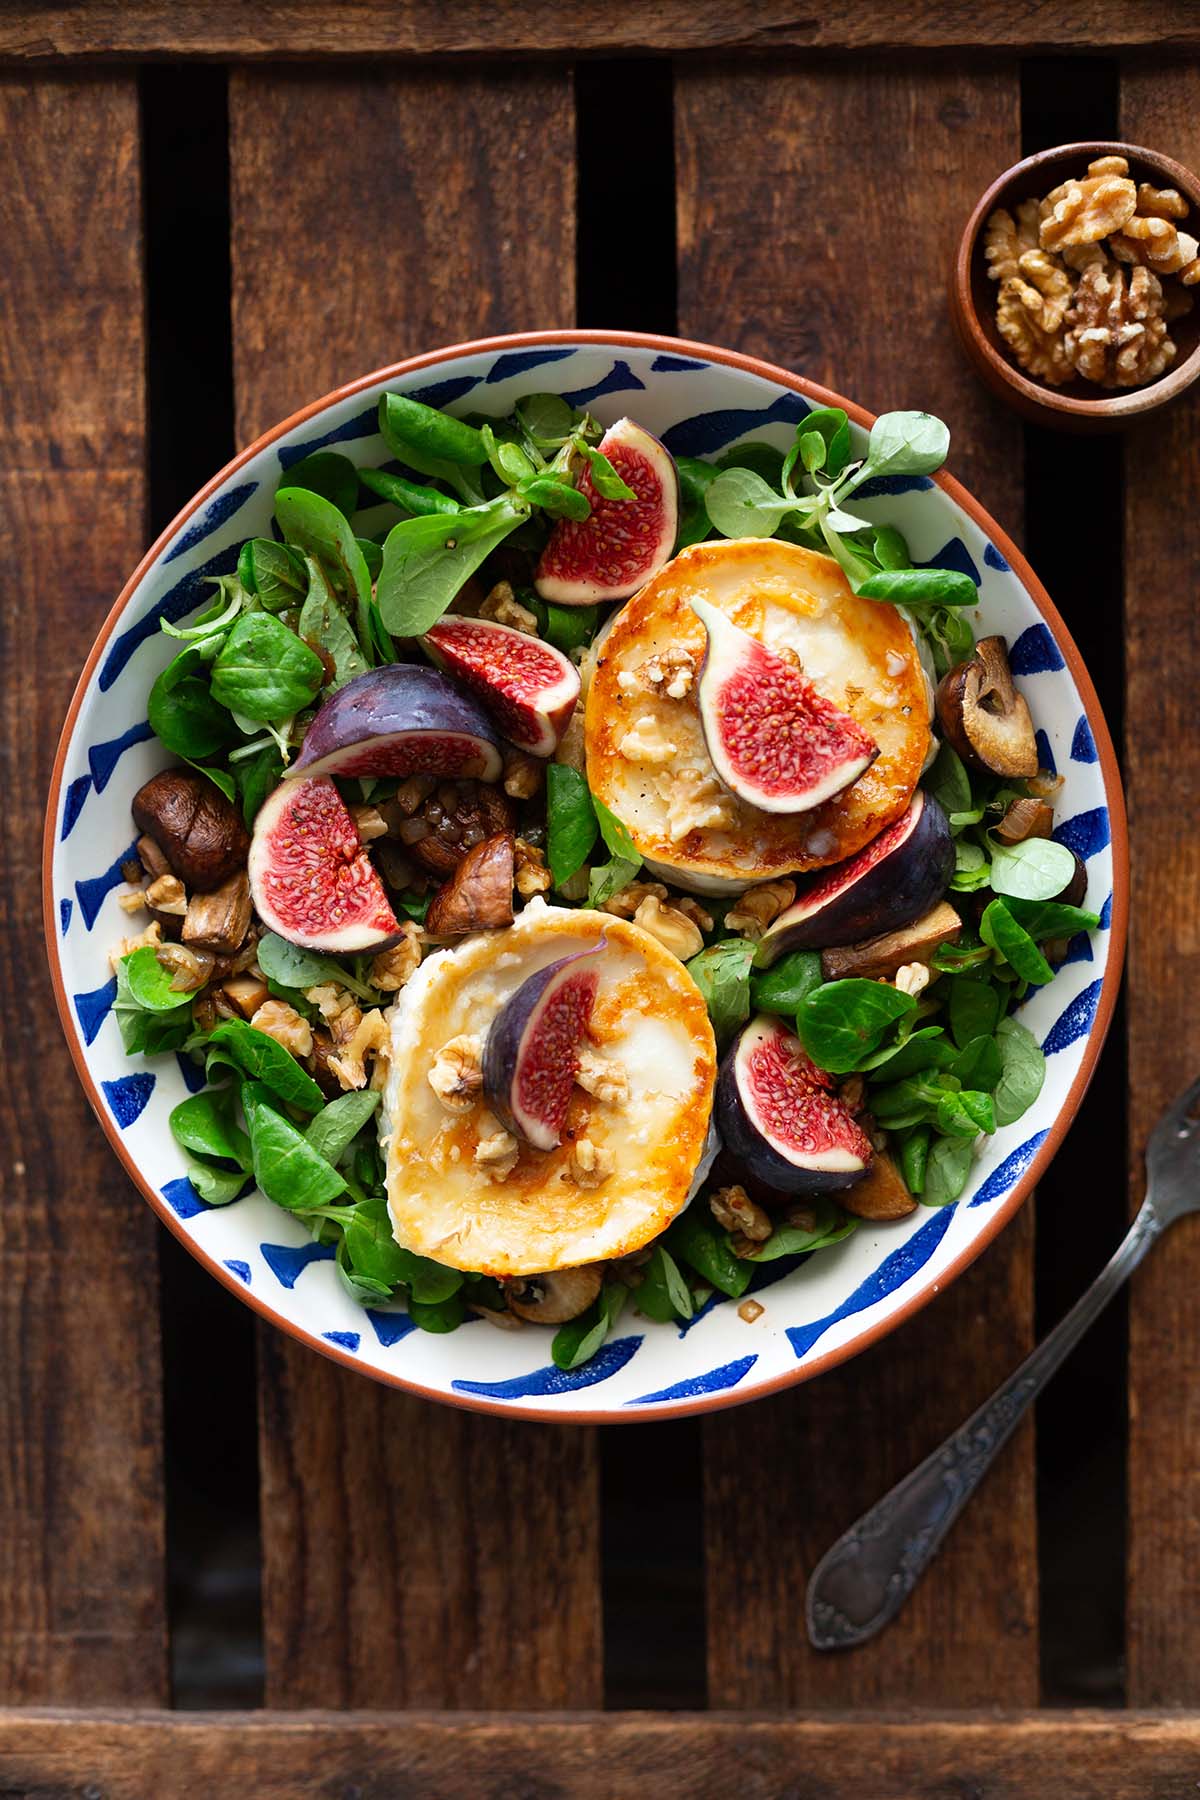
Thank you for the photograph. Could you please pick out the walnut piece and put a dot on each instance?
(758, 907)
(126, 946)
(911, 978)
(673, 929)
(1118, 335)
(503, 606)
(369, 823)
(1160, 203)
(625, 902)
(133, 900)
(457, 1073)
(603, 1077)
(1156, 244)
(392, 968)
(370, 1038)
(671, 672)
(532, 875)
(692, 909)
(167, 894)
(589, 1165)
(1083, 212)
(283, 1023)
(645, 742)
(497, 1151)
(523, 774)
(733, 1209)
(1018, 320)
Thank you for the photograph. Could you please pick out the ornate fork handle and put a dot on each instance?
(864, 1580)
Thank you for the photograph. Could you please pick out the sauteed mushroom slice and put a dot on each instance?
(554, 1298)
(984, 717)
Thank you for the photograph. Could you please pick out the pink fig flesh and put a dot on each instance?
(403, 719)
(528, 687)
(773, 739)
(780, 1115)
(311, 879)
(615, 551)
(530, 1059)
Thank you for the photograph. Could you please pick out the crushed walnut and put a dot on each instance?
(1064, 305)
(603, 1078)
(749, 1310)
(497, 1151)
(671, 672)
(734, 1210)
(391, 969)
(589, 1164)
(759, 907)
(625, 902)
(673, 929)
(457, 1073)
(167, 894)
(530, 872)
(911, 978)
(503, 606)
(283, 1023)
(523, 774)
(126, 946)
(369, 1038)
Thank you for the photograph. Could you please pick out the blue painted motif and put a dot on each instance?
(445, 393)
(194, 1077)
(363, 424)
(952, 555)
(65, 909)
(1074, 1022)
(287, 1263)
(128, 1096)
(76, 794)
(103, 758)
(1086, 834)
(189, 591)
(389, 1327)
(1035, 652)
(891, 1274)
(216, 513)
(519, 362)
(91, 894)
(1083, 744)
(93, 1008)
(714, 1299)
(1078, 950)
(1014, 1165)
(240, 1269)
(1045, 753)
(709, 431)
(993, 558)
(714, 1382)
(671, 365)
(549, 1380)
(345, 1340)
(619, 380)
(1106, 915)
(881, 485)
(182, 1198)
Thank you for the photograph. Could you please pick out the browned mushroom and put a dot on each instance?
(983, 716)
(553, 1299)
(881, 956)
(198, 830)
(1023, 819)
(478, 896)
(456, 816)
(220, 920)
(881, 1194)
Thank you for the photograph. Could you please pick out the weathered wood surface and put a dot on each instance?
(766, 269)
(81, 1502)
(618, 1756)
(412, 1555)
(1162, 751)
(281, 29)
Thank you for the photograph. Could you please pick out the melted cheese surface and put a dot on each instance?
(649, 1017)
(646, 756)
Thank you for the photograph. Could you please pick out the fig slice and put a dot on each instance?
(615, 551)
(780, 1115)
(310, 878)
(773, 739)
(530, 1059)
(403, 719)
(897, 878)
(984, 717)
(528, 687)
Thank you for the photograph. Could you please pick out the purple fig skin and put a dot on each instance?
(906, 879)
(511, 1038)
(394, 702)
(744, 1140)
(584, 590)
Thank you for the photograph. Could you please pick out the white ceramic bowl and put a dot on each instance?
(699, 400)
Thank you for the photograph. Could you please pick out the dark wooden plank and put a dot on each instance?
(620, 1756)
(279, 29)
(1162, 648)
(436, 1559)
(825, 248)
(81, 1503)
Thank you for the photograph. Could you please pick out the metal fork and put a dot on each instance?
(860, 1585)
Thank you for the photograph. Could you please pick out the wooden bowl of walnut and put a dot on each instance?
(1076, 287)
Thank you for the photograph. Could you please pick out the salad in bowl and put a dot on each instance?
(585, 875)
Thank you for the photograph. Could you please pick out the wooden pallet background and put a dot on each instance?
(210, 214)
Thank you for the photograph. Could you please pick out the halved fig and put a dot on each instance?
(615, 551)
(530, 1059)
(403, 719)
(310, 877)
(896, 879)
(773, 739)
(778, 1113)
(528, 687)
(983, 716)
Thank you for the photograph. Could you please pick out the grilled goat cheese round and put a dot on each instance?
(646, 756)
(465, 1192)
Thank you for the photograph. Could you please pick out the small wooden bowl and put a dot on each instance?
(1078, 405)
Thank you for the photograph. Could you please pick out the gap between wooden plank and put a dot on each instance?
(81, 1502)
(393, 28)
(614, 1756)
(825, 248)
(1162, 645)
(412, 1555)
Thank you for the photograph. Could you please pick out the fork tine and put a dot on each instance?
(1184, 1110)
